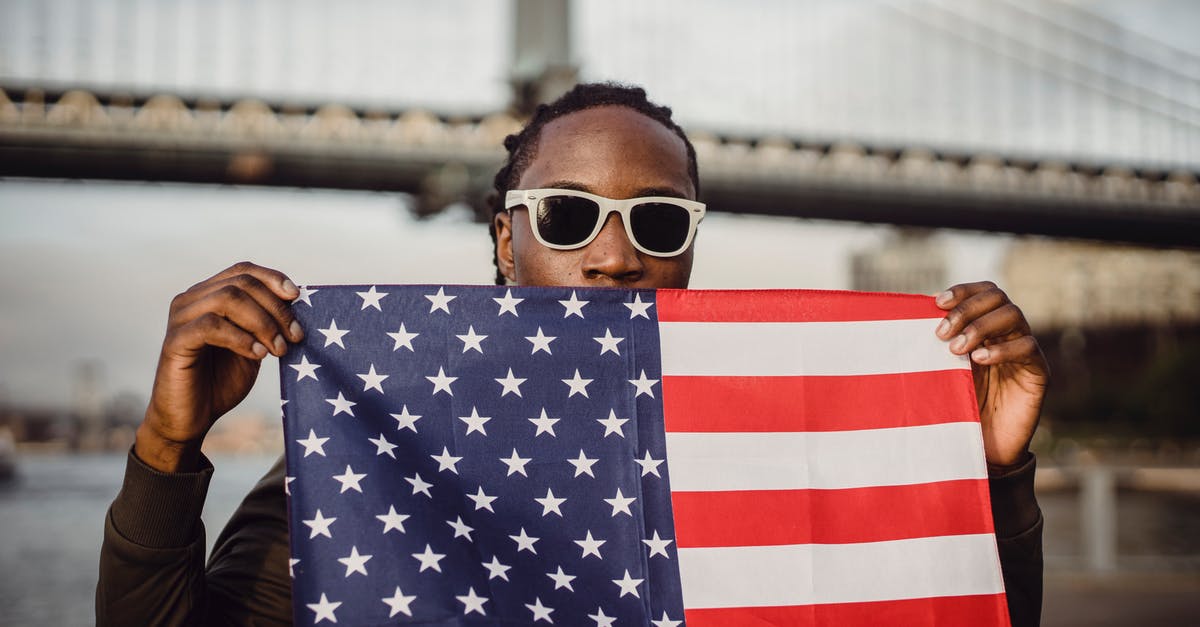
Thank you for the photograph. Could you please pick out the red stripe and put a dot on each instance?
(790, 306)
(980, 610)
(771, 404)
(874, 514)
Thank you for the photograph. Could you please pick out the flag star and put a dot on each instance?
(590, 545)
(306, 295)
(612, 424)
(561, 579)
(319, 525)
(666, 621)
(305, 369)
(446, 461)
(638, 308)
(392, 520)
(472, 340)
(525, 542)
(539, 611)
(354, 562)
(439, 301)
(403, 338)
(292, 561)
(382, 446)
(419, 485)
(371, 298)
(471, 602)
(628, 584)
(644, 385)
(349, 480)
(405, 420)
(658, 545)
(324, 609)
(550, 503)
(609, 343)
(313, 444)
(475, 422)
(578, 385)
(341, 405)
(544, 423)
(516, 464)
(496, 569)
(511, 384)
(620, 503)
(482, 501)
(441, 383)
(333, 335)
(574, 306)
(429, 559)
(601, 619)
(287, 485)
(372, 380)
(508, 304)
(583, 465)
(461, 529)
(541, 342)
(399, 603)
(649, 465)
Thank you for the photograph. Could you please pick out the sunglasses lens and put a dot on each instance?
(566, 220)
(660, 227)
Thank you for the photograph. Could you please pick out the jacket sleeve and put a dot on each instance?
(1018, 522)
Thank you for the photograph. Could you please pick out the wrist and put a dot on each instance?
(163, 453)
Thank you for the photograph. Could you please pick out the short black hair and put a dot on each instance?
(522, 146)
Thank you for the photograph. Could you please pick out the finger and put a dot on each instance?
(278, 282)
(957, 293)
(970, 308)
(1021, 350)
(279, 309)
(210, 329)
(995, 324)
(241, 309)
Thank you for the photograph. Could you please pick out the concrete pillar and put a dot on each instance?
(1098, 518)
(542, 68)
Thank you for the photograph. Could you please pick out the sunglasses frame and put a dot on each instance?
(531, 197)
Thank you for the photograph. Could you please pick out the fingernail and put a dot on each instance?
(958, 342)
(943, 328)
(280, 345)
(289, 287)
(944, 297)
(979, 354)
(259, 350)
(295, 330)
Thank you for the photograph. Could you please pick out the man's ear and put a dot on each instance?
(502, 222)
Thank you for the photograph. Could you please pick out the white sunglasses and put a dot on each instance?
(565, 219)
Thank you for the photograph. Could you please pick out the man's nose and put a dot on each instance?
(611, 257)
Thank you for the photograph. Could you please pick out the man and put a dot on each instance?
(600, 139)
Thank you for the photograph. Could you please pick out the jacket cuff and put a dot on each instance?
(157, 509)
(1014, 505)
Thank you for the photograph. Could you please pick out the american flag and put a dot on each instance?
(492, 455)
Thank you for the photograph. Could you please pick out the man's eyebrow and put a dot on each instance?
(669, 192)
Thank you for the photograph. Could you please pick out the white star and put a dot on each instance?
(319, 525)
(482, 501)
(305, 369)
(666, 621)
(590, 545)
(508, 304)
(658, 545)
(333, 335)
(609, 343)
(644, 385)
(638, 308)
(461, 529)
(561, 579)
(496, 569)
(439, 301)
(419, 485)
(371, 298)
(628, 585)
(545, 424)
(405, 420)
(349, 480)
(541, 342)
(392, 520)
(516, 464)
(583, 465)
(313, 444)
(574, 306)
(441, 383)
(475, 422)
(578, 385)
(539, 611)
(399, 603)
(649, 465)
(292, 561)
(287, 485)
(354, 562)
(550, 503)
(511, 384)
(472, 340)
(621, 503)
(525, 542)
(372, 380)
(471, 602)
(306, 295)
(403, 338)
(429, 559)
(612, 424)
(446, 461)
(324, 609)
(382, 446)
(601, 619)
(341, 405)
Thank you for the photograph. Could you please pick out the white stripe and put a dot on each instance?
(762, 576)
(804, 348)
(712, 462)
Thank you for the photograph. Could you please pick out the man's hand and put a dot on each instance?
(1010, 370)
(218, 332)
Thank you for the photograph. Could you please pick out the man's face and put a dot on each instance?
(611, 151)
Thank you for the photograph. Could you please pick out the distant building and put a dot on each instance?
(912, 261)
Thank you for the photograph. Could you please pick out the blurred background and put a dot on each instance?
(1052, 146)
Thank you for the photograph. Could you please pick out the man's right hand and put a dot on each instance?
(218, 332)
